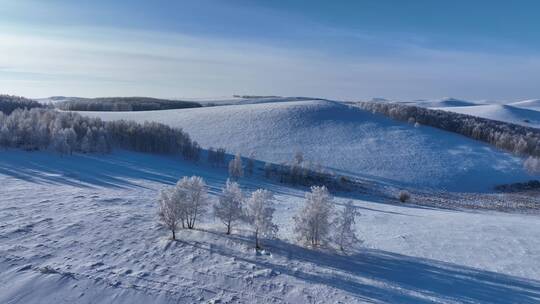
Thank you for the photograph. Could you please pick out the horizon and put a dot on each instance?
(486, 51)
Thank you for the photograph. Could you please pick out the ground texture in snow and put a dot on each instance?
(345, 139)
(83, 229)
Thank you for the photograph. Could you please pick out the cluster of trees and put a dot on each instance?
(68, 132)
(511, 137)
(318, 222)
(188, 201)
(123, 104)
(216, 157)
(305, 173)
(152, 137)
(9, 103)
(315, 224)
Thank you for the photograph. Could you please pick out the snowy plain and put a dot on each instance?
(83, 229)
(346, 140)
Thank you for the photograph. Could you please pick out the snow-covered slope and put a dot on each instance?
(345, 139)
(533, 104)
(82, 229)
(508, 113)
(447, 102)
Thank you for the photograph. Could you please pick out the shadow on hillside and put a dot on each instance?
(120, 169)
(110, 171)
(381, 276)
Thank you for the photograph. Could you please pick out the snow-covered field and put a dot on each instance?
(83, 229)
(345, 139)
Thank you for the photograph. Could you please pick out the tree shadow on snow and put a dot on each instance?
(382, 276)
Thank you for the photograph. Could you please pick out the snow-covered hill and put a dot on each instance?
(346, 139)
(514, 113)
(83, 229)
(447, 102)
(533, 104)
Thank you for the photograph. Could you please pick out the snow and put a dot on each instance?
(345, 139)
(83, 229)
(512, 113)
(447, 102)
(532, 104)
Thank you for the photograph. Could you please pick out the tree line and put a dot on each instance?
(316, 223)
(68, 132)
(507, 136)
(9, 103)
(113, 104)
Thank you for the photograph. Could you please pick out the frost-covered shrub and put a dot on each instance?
(404, 196)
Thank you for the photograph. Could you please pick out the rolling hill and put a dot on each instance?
(347, 140)
(520, 115)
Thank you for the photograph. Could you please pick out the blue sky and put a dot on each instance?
(482, 50)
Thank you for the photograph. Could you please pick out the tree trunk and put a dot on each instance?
(173, 235)
(257, 245)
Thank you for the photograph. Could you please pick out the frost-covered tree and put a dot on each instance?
(60, 142)
(312, 223)
(297, 168)
(532, 165)
(169, 211)
(68, 132)
(229, 206)
(250, 164)
(192, 197)
(344, 233)
(268, 170)
(259, 214)
(236, 170)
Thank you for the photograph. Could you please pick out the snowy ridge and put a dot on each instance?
(345, 139)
